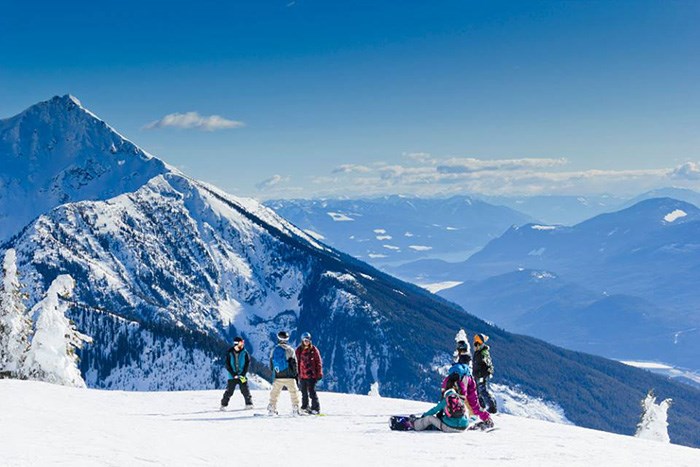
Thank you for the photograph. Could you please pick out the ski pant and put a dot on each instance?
(486, 399)
(308, 389)
(231, 387)
(277, 386)
(429, 421)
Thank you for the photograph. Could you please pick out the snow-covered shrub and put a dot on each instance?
(15, 325)
(653, 424)
(52, 355)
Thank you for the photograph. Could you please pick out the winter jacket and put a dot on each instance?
(237, 362)
(310, 363)
(454, 422)
(467, 389)
(283, 361)
(483, 367)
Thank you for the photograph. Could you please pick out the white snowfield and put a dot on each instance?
(43, 424)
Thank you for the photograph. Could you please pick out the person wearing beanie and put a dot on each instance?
(483, 371)
(283, 364)
(237, 362)
(310, 373)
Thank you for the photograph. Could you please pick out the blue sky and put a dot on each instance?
(345, 98)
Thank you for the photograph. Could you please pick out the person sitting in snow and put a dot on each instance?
(450, 414)
(310, 372)
(483, 371)
(237, 362)
(283, 364)
(466, 386)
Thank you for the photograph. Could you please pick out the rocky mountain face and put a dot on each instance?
(167, 272)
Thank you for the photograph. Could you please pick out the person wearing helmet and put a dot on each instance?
(283, 364)
(483, 371)
(466, 386)
(310, 373)
(237, 362)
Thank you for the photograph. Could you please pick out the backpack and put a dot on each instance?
(279, 359)
(454, 405)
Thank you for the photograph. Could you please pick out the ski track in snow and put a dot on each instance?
(42, 424)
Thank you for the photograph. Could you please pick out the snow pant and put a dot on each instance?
(277, 386)
(433, 422)
(486, 399)
(308, 389)
(231, 387)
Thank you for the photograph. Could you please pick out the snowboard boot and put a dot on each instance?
(271, 410)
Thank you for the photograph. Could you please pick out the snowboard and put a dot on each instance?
(400, 423)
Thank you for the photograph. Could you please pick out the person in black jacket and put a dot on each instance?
(237, 362)
(483, 371)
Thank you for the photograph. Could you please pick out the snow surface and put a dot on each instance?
(675, 215)
(666, 369)
(436, 287)
(338, 217)
(543, 227)
(43, 424)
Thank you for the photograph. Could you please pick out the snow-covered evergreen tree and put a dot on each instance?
(52, 355)
(15, 325)
(653, 424)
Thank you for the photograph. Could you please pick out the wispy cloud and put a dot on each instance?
(426, 175)
(349, 168)
(687, 171)
(470, 164)
(271, 182)
(194, 121)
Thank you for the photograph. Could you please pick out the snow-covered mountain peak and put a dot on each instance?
(57, 152)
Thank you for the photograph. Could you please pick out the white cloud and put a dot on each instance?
(687, 171)
(271, 182)
(469, 164)
(429, 176)
(350, 168)
(194, 121)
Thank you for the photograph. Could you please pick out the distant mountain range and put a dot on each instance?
(621, 284)
(170, 270)
(394, 229)
(571, 210)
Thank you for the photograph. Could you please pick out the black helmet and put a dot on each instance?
(283, 336)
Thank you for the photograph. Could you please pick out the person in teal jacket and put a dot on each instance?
(449, 415)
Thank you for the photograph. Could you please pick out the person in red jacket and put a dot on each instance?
(310, 372)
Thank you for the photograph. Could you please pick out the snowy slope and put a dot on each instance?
(41, 424)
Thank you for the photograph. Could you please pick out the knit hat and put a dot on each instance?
(283, 336)
(480, 339)
(238, 339)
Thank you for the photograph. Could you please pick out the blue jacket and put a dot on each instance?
(458, 422)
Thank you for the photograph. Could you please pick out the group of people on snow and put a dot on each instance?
(465, 396)
(465, 390)
(289, 366)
